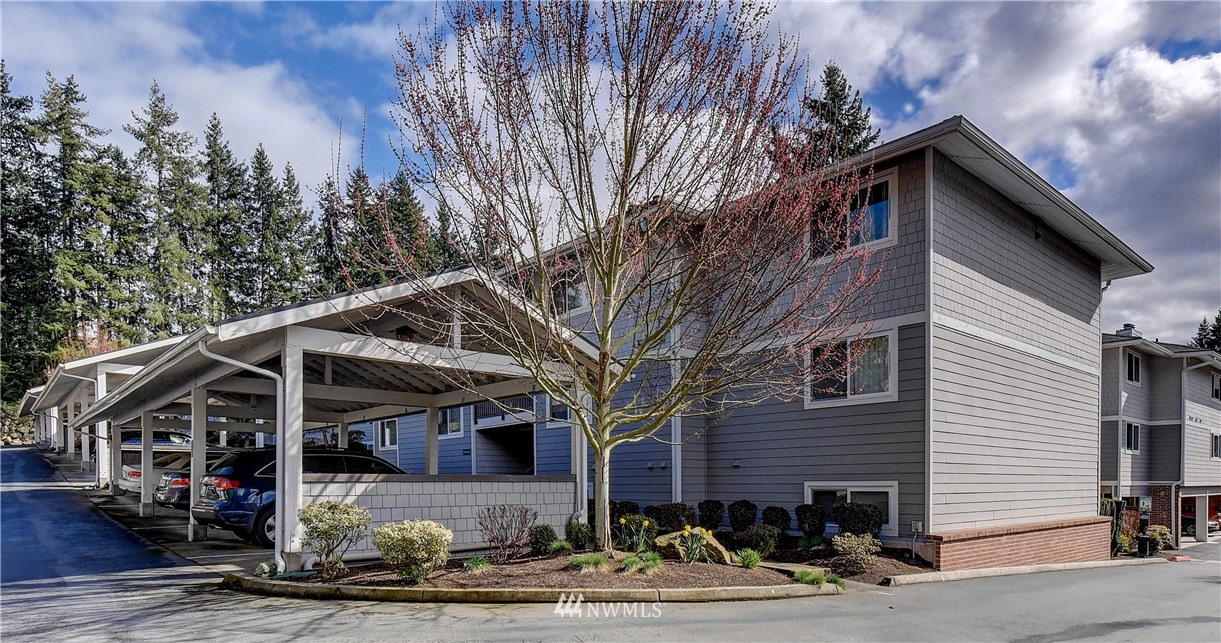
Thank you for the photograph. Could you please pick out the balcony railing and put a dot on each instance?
(519, 408)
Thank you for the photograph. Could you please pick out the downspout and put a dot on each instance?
(203, 350)
(1174, 505)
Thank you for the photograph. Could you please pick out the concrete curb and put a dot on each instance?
(967, 574)
(253, 584)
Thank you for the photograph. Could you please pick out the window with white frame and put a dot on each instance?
(449, 423)
(569, 294)
(871, 217)
(387, 434)
(1216, 446)
(557, 412)
(1217, 386)
(1132, 438)
(1133, 374)
(882, 494)
(854, 371)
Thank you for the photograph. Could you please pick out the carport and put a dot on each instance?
(380, 352)
(72, 388)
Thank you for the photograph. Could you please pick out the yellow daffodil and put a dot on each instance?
(646, 523)
(623, 521)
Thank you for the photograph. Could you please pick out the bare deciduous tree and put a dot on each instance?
(643, 164)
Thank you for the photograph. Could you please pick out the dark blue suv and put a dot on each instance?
(239, 492)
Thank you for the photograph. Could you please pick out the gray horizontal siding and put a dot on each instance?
(1165, 447)
(1203, 420)
(781, 445)
(454, 453)
(1165, 389)
(552, 448)
(1134, 467)
(1135, 401)
(411, 443)
(1015, 437)
(1112, 376)
(1109, 450)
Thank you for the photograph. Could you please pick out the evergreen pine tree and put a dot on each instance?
(174, 201)
(1208, 335)
(328, 266)
(228, 228)
(265, 201)
(290, 258)
(445, 253)
(26, 242)
(115, 196)
(842, 129)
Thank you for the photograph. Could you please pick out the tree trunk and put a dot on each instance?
(601, 517)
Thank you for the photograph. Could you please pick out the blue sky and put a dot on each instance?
(1117, 104)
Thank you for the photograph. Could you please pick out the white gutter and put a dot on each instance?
(279, 544)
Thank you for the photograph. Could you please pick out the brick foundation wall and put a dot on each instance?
(1159, 513)
(1059, 541)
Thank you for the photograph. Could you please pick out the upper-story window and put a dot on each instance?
(856, 371)
(1133, 367)
(388, 434)
(569, 295)
(873, 208)
(1217, 386)
(449, 422)
(1132, 438)
(1216, 446)
(557, 411)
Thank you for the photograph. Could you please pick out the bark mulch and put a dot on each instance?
(553, 573)
(888, 563)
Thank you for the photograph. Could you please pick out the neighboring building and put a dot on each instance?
(1161, 428)
(976, 427)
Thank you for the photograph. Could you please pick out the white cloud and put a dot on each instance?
(117, 50)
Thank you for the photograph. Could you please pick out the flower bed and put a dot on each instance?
(554, 573)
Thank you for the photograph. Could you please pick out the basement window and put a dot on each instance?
(883, 494)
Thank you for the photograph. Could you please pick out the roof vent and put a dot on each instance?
(1128, 330)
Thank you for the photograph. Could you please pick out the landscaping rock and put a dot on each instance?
(668, 547)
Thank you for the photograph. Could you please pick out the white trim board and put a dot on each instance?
(1006, 341)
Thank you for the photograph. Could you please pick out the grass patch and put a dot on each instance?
(646, 563)
(477, 564)
(750, 558)
(817, 579)
(559, 548)
(589, 562)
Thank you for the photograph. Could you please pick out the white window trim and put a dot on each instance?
(892, 385)
(381, 435)
(890, 177)
(579, 310)
(551, 423)
(1140, 365)
(444, 413)
(891, 528)
(1126, 449)
(1216, 387)
(1213, 437)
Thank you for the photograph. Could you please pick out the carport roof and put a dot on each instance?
(344, 371)
(64, 379)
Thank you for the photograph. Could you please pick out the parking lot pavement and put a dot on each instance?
(221, 552)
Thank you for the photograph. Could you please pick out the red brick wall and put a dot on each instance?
(1160, 512)
(1060, 541)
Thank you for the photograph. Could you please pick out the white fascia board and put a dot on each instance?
(226, 331)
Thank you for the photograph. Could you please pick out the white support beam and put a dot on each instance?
(343, 435)
(53, 413)
(289, 436)
(431, 419)
(488, 391)
(199, 458)
(69, 435)
(379, 349)
(378, 412)
(364, 395)
(147, 483)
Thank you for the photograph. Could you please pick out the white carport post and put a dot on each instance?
(579, 457)
(289, 439)
(85, 448)
(343, 435)
(146, 465)
(69, 438)
(199, 458)
(53, 416)
(432, 417)
(103, 432)
(1202, 518)
(116, 458)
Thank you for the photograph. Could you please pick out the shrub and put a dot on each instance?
(506, 529)
(578, 533)
(559, 548)
(589, 562)
(810, 542)
(741, 514)
(477, 565)
(711, 512)
(637, 533)
(858, 550)
(623, 508)
(645, 563)
(859, 518)
(816, 578)
(812, 520)
(541, 537)
(416, 547)
(671, 516)
(777, 517)
(331, 529)
(1125, 544)
(761, 538)
(749, 557)
(1165, 539)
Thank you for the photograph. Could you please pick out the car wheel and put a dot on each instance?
(264, 527)
(1189, 530)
